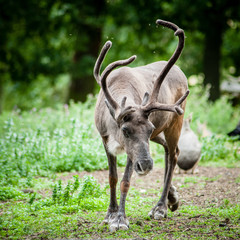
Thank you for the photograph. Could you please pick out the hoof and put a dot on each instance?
(158, 213)
(119, 222)
(109, 218)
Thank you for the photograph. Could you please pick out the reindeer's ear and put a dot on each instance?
(123, 102)
(110, 108)
(145, 99)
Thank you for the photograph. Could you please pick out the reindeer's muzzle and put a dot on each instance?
(143, 163)
(143, 167)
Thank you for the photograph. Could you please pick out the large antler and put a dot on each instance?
(180, 33)
(153, 105)
(101, 79)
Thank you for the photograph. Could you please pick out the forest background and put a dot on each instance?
(48, 48)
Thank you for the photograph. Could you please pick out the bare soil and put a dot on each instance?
(208, 185)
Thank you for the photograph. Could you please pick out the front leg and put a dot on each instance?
(113, 179)
(120, 221)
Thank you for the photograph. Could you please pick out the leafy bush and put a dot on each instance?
(220, 148)
(38, 142)
(76, 191)
(79, 194)
(39, 93)
(220, 117)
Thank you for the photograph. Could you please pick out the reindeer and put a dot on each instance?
(127, 117)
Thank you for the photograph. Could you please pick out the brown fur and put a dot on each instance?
(127, 118)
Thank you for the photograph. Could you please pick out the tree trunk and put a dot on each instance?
(87, 48)
(1, 95)
(82, 80)
(212, 55)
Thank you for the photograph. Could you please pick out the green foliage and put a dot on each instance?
(39, 142)
(40, 42)
(52, 211)
(89, 188)
(47, 220)
(46, 141)
(10, 193)
(220, 149)
(220, 117)
(32, 198)
(77, 191)
(39, 93)
(80, 194)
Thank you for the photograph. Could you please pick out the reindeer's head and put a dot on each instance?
(133, 123)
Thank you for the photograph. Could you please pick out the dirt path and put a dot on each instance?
(209, 185)
(209, 189)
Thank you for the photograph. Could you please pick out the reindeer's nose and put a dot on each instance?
(143, 167)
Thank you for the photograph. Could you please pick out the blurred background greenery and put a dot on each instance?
(48, 48)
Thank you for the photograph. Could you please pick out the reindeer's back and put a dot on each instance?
(174, 84)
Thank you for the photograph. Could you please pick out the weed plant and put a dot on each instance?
(77, 191)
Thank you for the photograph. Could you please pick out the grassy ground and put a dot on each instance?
(46, 191)
(210, 207)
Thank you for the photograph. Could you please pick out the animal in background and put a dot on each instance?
(190, 148)
(235, 132)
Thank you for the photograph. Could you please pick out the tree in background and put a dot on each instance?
(212, 18)
(86, 20)
(49, 38)
(204, 21)
(30, 43)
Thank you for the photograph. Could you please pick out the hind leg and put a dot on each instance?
(172, 194)
(169, 197)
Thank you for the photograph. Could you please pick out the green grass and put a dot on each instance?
(46, 218)
(238, 179)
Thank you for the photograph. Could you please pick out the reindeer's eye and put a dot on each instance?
(126, 132)
(127, 118)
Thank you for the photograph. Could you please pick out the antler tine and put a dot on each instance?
(181, 99)
(98, 64)
(180, 33)
(105, 74)
(176, 108)
(101, 79)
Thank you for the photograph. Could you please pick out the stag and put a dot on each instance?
(134, 106)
